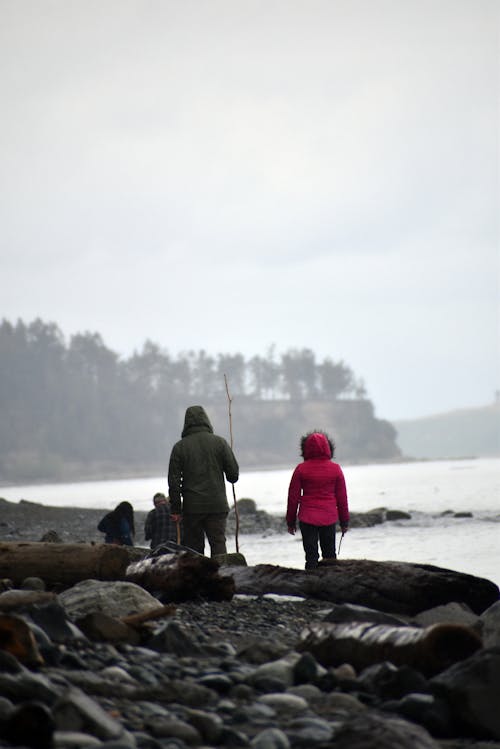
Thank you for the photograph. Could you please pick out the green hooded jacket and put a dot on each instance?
(198, 463)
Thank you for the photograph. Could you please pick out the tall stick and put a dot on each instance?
(237, 517)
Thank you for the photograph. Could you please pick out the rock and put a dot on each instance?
(74, 740)
(367, 519)
(390, 682)
(246, 506)
(450, 613)
(16, 599)
(172, 638)
(75, 711)
(52, 618)
(51, 537)
(230, 559)
(284, 703)
(30, 725)
(308, 731)
(307, 669)
(271, 738)
(343, 705)
(116, 599)
(25, 686)
(369, 730)
(424, 709)
(166, 727)
(490, 626)
(208, 725)
(282, 671)
(261, 650)
(32, 583)
(397, 515)
(103, 628)
(471, 689)
(349, 612)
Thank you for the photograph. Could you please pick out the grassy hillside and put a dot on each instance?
(471, 432)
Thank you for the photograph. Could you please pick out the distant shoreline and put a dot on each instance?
(152, 474)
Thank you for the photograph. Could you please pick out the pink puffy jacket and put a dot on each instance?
(317, 487)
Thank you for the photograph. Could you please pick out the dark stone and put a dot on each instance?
(349, 612)
(30, 725)
(258, 650)
(369, 730)
(392, 683)
(306, 669)
(424, 709)
(51, 617)
(171, 638)
(471, 689)
(218, 682)
(397, 515)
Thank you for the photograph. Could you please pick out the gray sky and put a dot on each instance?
(230, 174)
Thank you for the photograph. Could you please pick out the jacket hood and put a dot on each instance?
(196, 420)
(316, 445)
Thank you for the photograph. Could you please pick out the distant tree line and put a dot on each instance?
(78, 403)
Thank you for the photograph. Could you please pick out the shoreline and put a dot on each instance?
(161, 473)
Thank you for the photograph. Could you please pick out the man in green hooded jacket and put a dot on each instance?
(198, 464)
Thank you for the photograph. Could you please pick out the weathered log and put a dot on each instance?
(395, 587)
(181, 577)
(66, 564)
(430, 650)
(17, 639)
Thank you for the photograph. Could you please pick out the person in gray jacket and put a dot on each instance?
(199, 464)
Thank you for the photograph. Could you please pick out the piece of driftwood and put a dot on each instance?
(17, 639)
(430, 650)
(66, 564)
(147, 616)
(181, 577)
(395, 587)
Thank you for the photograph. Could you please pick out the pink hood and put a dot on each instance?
(316, 446)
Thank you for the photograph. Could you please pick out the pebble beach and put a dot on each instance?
(213, 674)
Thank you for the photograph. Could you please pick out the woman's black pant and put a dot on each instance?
(311, 534)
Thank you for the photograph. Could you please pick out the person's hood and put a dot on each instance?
(316, 445)
(196, 420)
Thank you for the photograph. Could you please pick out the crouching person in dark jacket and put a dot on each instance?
(199, 463)
(159, 527)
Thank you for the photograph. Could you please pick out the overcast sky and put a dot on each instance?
(230, 174)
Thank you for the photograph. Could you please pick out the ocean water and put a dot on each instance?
(425, 489)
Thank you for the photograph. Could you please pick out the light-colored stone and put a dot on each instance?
(490, 626)
(116, 599)
(449, 613)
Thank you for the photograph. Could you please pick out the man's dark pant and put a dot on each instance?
(310, 536)
(212, 524)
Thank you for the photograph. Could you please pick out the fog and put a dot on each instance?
(227, 176)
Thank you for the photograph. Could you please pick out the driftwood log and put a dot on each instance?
(430, 650)
(394, 587)
(66, 564)
(181, 577)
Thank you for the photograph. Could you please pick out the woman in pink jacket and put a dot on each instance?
(317, 490)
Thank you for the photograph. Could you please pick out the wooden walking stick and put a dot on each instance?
(237, 517)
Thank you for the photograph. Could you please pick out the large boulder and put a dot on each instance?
(116, 599)
(471, 689)
(490, 626)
